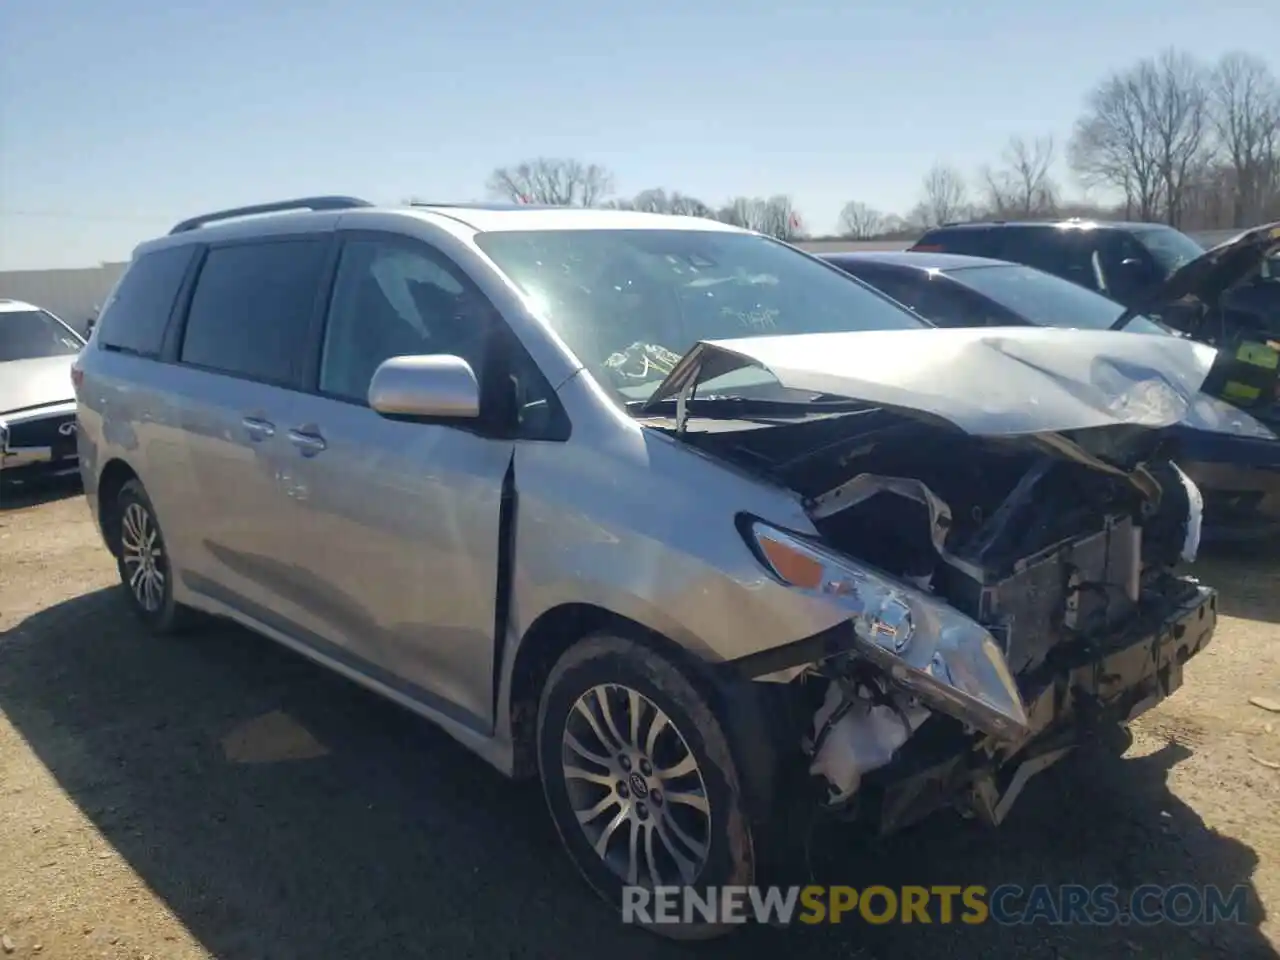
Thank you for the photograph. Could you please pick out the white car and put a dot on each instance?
(37, 400)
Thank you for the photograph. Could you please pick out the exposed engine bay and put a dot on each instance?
(1057, 545)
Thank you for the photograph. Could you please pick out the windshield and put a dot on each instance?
(1169, 248)
(1046, 300)
(630, 303)
(26, 334)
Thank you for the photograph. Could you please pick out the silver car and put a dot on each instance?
(666, 513)
(37, 402)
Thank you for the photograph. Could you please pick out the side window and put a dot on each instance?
(894, 284)
(252, 307)
(1127, 266)
(1063, 253)
(527, 403)
(394, 298)
(939, 300)
(930, 240)
(134, 318)
(970, 241)
(948, 304)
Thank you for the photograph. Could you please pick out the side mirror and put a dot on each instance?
(436, 386)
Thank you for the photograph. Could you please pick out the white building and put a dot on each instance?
(73, 295)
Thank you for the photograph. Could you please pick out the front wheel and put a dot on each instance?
(640, 781)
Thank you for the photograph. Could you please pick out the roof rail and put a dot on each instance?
(474, 205)
(302, 203)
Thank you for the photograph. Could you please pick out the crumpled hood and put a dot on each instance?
(986, 381)
(35, 382)
(1213, 273)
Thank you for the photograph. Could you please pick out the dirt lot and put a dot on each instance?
(220, 797)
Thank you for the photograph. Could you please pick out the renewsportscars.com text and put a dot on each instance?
(1007, 904)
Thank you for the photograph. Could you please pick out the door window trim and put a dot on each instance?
(172, 318)
(313, 359)
(558, 430)
(176, 336)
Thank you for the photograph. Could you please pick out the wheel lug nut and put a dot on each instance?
(645, 768)
(622, 789)
(625, 761)
(642, 810)
(656, 797)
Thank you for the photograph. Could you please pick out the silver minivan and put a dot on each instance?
(669, 514)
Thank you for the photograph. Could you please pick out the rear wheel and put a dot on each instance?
(143, 562)
(639, 778)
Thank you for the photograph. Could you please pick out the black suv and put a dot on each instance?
(1124, 261)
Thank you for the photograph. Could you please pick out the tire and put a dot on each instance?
(150, 599)
(628, 794)
(1115, 739)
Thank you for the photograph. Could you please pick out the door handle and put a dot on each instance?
(258, 429)
(309, 443)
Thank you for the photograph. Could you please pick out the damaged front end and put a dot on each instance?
(1007, 595)
(1007, 600)
(1005, 603)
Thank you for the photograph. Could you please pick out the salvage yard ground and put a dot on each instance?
(220, 797)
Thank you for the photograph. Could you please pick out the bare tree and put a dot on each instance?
(1146, 133)
(651, 201)
(1245, 108)
(775, 216)
(1022, 187)
(945, 197)
(556, 181)
(687, 206)
(1178, 97)
(1210, 196)
(657, 200)
(782, 219)
(1113, 147)
(859, 221)
(897, 227)
(742, 212)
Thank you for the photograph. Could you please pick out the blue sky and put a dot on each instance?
(118, 119)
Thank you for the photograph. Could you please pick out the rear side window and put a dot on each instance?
(134, 319)
(252, 307)
(936, 298)
(901, 285)
(1066, 253)
(971, 241)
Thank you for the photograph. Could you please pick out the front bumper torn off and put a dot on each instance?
(1074, 699)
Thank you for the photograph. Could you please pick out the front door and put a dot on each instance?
(399, 521)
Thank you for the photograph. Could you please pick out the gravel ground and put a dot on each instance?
(220, 797)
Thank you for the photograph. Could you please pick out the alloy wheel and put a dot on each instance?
(143, 556)
(635, 787)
